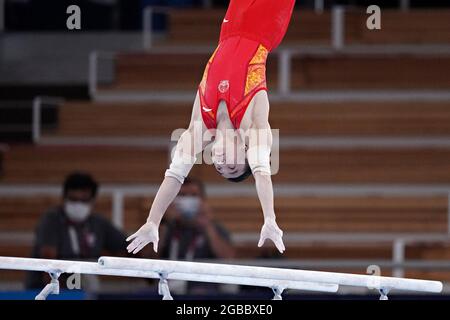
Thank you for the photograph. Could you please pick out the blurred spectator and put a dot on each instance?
(190, 232)
(73, 231)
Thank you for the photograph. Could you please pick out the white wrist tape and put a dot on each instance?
(258, 158)
(180, 166)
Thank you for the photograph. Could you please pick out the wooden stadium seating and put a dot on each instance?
(29, 164)
(385, 214)
(379, 119)
(87, 119)
(425, 119)
(424, 26)
(307, 27)
(176, 71)
(370, 72)
(394, 165)
(169, 72)
(382, 214)
(205, 30)
(348, 214)
(207, 24)
(179, 71)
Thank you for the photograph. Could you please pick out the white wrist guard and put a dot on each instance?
(180, 166)
(258, 158)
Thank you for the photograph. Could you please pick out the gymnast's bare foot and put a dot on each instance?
(270, 230)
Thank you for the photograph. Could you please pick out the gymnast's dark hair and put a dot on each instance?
(242, 177)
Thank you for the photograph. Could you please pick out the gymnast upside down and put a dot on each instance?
(232, 95)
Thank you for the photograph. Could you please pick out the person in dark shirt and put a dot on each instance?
(72, 231)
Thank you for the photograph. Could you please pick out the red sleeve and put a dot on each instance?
(226, 26)
(283, 22)
(264, 20)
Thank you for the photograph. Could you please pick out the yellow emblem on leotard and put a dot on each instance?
(260, 55)
(256, 76)
(256, 72)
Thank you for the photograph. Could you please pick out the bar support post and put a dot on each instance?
(163, 287)
(277, 291)
(384, 293)
(51, 288)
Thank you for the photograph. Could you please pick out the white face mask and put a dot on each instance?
(188, 205)
(77, 211)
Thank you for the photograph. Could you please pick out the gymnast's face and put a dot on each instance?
(228, 156)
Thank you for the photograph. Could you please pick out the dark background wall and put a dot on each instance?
(126, 14)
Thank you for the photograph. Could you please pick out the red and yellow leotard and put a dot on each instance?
(236, 70)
